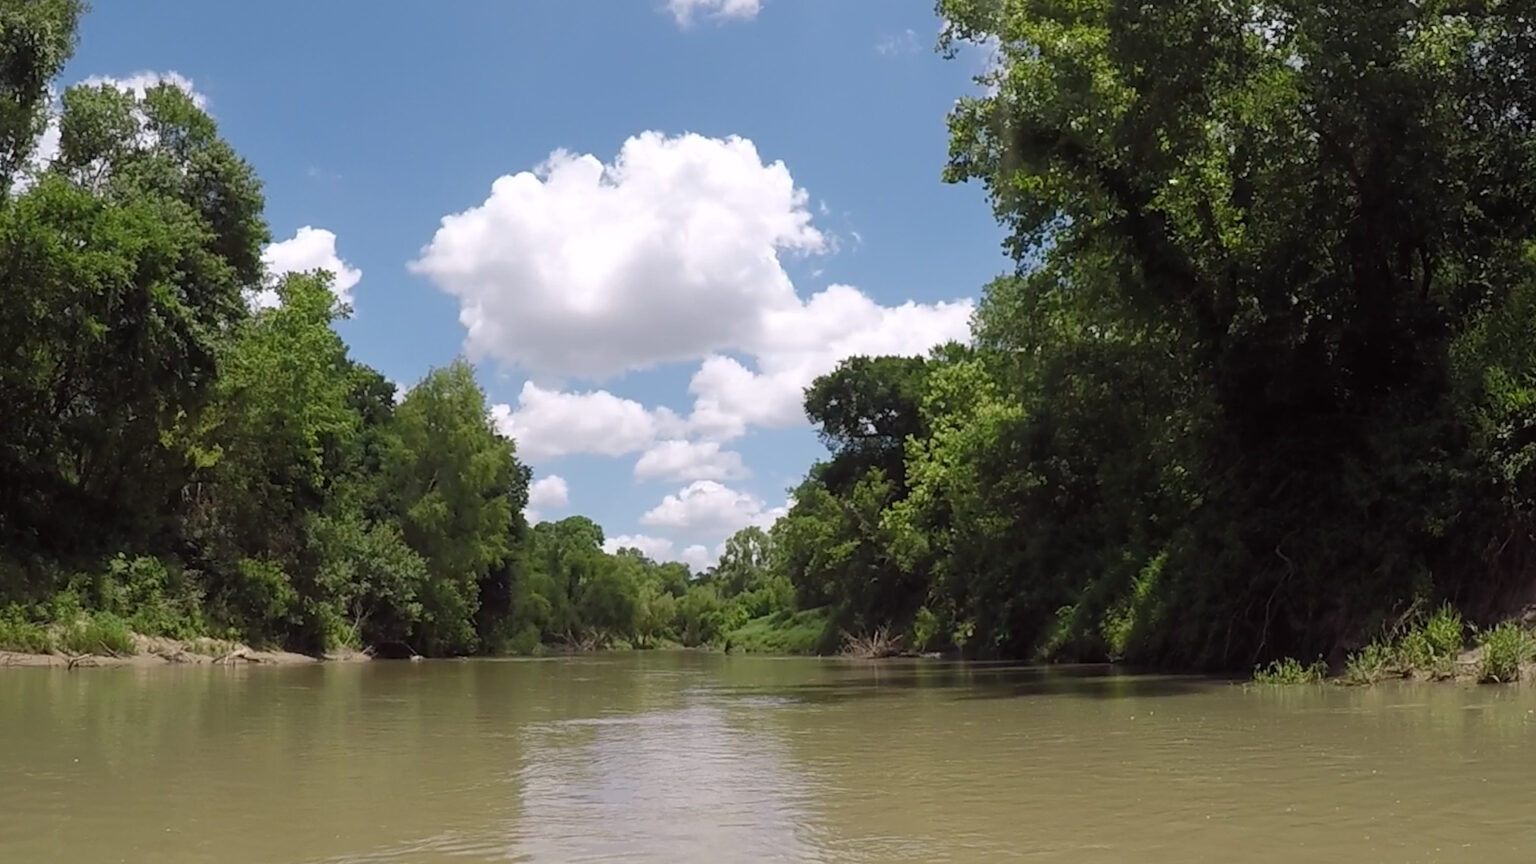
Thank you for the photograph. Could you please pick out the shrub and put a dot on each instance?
(1445, 632)
(156, 600)
(1432, 646)
(1505, 647)
(100, 633)
(925, 629)
(1415, 650)
(1288, 670)
(19, 634)
(527, 641)
(1370, 664)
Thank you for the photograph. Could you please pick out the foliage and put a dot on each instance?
(19, 634)
(98, 633)
(785, 632)
(1262, 375)
(1506, 647)
(450, 478)
(1373, 663)
(181, 459)
(1288, 670)
(1431, 647)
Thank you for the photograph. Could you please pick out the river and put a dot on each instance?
(684, 757)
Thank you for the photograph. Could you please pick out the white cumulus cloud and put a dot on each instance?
(809, 340)
(546, 493)
(683, 461)
(706, 507)
(590, 270)
(655, 548)
(684, 12)
(308, 249)
(580, 270)
(697, 556)
(547, 424)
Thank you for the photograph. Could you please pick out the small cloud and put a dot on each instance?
(904, 42)
(685, 12)
(546, 493)
(308, 249)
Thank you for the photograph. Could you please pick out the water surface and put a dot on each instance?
(681, 758)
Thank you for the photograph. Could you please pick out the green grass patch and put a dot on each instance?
(98, 633)
(1505, 648)
(781, 633)
(1375, 662)
(1289, 670)
(1428, 649)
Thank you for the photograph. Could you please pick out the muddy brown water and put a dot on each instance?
(681, 758)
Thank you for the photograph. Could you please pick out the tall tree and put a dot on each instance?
(452, 478)
(126, 261)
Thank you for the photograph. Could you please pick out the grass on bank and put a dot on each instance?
(1289, 670)
(93, 633)
(1505, 648)
(1427, 650)
(780, 633)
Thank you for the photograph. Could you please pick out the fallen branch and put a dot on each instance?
(872, 646)
(241, 653)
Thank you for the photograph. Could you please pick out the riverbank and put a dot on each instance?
(157, 651)
(1434, 648)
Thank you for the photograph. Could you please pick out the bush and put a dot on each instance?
(1505, 648)
(19, 634)
(925, 629)
(1370, 664)
(1289, 670)
(526, 642)
(156, 599)
(100, 633)
(1445, 632)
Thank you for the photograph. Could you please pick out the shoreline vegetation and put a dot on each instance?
(1435, 648)
(1261, 377)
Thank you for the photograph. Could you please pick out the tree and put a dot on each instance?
(36, 40)
(1291, 215)
(865, 410)
(126, 263)
(451, 478)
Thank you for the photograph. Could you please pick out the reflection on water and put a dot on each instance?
(688, 757)
(671, 786)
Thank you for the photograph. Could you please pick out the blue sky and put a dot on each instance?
(702, 208)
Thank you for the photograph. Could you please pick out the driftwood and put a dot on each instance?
(873, 645)
(176, 655)
(73, 660)
(241, 653)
